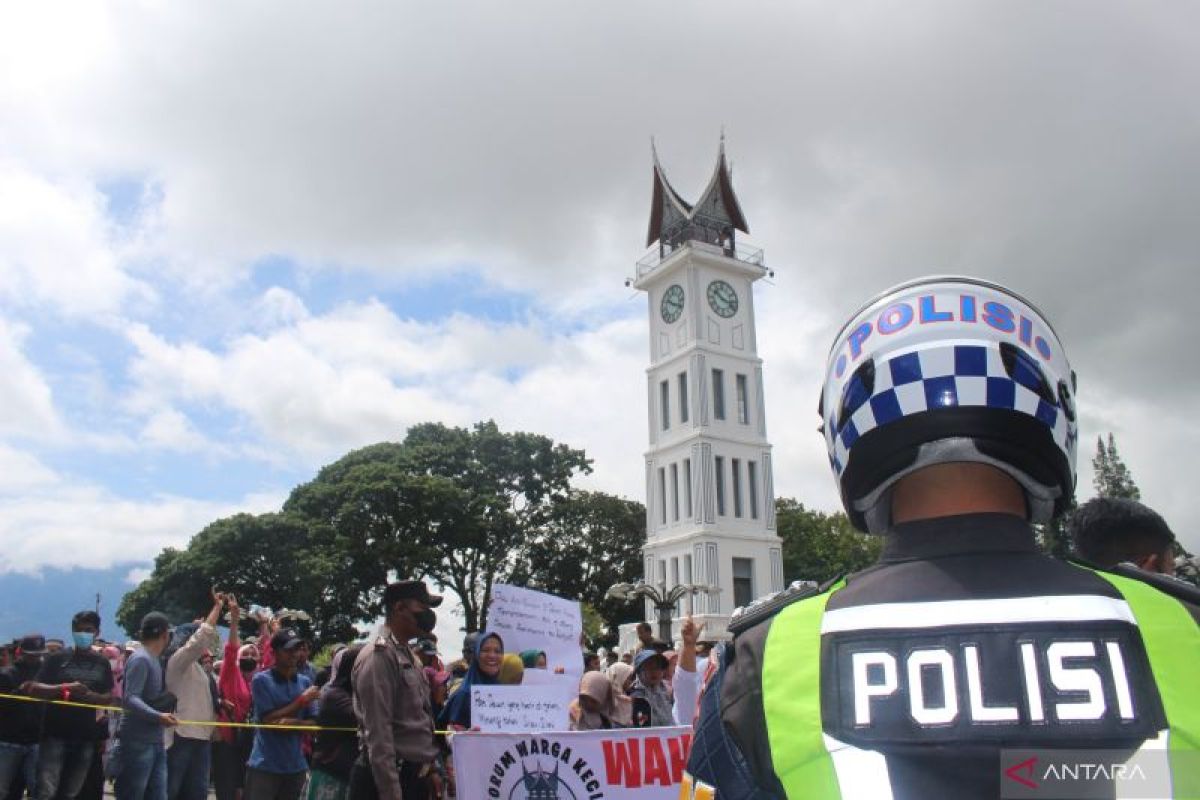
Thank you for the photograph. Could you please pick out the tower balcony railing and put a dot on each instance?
(659, 253)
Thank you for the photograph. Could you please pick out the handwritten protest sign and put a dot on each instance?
(529, 620)
(519, 709)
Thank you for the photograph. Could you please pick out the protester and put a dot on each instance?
(659, 701)
(438, 682)
(427, 652)
(70, 736)
(512, 670)
(595, 708)
(484, 671)
(190, 754)
(620, 677)
(645, 635)
(334, 751)
(139, 763)
(591, 662)
(533, 659)
(392, 701)
(1110, 530)
(277, 769)
(232, 748)
(20, 721)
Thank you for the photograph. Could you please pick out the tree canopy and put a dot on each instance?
(1112, 478)
(819, 546)
(463, 507)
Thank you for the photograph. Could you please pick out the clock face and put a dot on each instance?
(672, 303)
(722, 298)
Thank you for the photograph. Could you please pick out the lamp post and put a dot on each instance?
(663, 600)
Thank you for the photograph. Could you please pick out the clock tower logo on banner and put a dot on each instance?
(710, 505)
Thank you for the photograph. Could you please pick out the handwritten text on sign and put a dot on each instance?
(529, 620)
(518, 708)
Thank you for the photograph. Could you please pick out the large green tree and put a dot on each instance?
(819, 546)
(456, 505)
(588, 542)
(274, 560)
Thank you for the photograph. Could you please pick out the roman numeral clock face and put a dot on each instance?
(672, 304)
(722, 299)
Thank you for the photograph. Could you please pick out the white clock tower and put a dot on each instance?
(710, 506)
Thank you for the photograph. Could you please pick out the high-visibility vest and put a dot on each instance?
(791, 688)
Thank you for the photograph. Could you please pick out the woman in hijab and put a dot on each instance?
(232, 748)
(334, 751)
(533, 659)
(484, 671)
(512, 670)
(593, 710)
(620, 676)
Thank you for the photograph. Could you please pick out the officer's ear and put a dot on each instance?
(1148, 563)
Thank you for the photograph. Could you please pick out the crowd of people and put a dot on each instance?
(176, 713)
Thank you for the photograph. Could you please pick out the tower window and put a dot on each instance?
(664, 401)
(662, 494)
(687, 487)
(675, 492)
(752, 485)
(718, 381)
(736, 466)
(689, 579)
(743, 407)
(719, 468)
(683, 397)
(743, 582)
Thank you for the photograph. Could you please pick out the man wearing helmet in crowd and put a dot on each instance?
(949, 417)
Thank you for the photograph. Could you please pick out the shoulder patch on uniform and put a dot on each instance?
(770, 605)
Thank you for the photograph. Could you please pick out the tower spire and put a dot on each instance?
(713, 219)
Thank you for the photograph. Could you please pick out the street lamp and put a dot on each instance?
(664, 601)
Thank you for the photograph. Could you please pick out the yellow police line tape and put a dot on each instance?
(266, 725)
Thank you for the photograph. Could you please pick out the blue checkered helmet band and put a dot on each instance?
(943, 343)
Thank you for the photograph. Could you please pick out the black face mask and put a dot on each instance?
(425, 619)
(247, 664)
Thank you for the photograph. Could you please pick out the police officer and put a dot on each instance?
(392, 702)
(949, 416)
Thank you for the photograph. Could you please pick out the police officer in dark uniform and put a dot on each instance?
(965, 658)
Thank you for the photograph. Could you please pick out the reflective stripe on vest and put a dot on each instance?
(791, 688)
(1172, 642)
(791, 693)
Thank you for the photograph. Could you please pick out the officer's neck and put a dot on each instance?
(949, 490)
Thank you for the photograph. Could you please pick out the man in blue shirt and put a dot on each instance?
(277, 768)
(140, 766)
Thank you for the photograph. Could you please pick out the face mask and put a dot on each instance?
(425, 619)
(247, 664)
(83, 640)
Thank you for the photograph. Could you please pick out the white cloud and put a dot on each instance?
(26, 403)
(57, 520)
(56, 249)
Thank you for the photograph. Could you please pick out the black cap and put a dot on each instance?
(410, 590)
(154, 625)
(32, 645)
(286, 639)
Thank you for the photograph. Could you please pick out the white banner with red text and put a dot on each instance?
(634, 763)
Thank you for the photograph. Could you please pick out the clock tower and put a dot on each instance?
(710, 505)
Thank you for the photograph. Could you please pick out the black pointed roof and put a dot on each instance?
(718, 205)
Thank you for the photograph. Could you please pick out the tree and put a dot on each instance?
(588, 542)
(819, 546)
(274, 560)
(1112, 478)
(1055, 536)
(455, 505)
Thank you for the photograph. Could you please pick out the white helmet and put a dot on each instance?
(948, 369)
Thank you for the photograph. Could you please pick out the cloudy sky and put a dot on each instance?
(237, 240)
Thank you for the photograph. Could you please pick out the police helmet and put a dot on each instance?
(948, 369)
